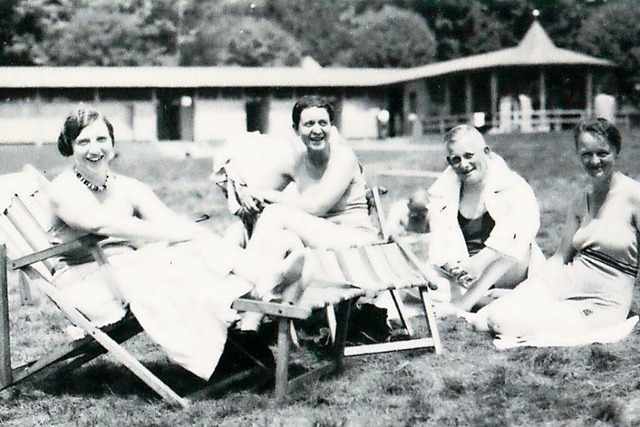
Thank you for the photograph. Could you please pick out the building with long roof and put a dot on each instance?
(534, 86)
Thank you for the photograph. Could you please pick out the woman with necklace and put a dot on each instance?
(587, 285)
(178, 278)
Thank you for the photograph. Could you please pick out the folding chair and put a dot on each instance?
(25, 247)
(388, 266)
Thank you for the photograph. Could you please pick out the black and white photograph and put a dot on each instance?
(319, 213)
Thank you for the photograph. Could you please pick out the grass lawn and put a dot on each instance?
(471, 383)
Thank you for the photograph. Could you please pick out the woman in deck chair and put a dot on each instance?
(584, 292)
(329, 208)
(181, 278)
(483, 219)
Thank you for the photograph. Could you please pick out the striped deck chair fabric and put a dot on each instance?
(379, 268)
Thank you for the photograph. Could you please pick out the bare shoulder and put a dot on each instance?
(577, 204)
(631, 188)
(131, 185)
(62, 184)
(344, 154)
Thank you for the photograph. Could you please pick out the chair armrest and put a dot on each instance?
(56, 250)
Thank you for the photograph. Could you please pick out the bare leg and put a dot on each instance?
(236, 234)
(530, 310)
(313, 231)
(495, 273)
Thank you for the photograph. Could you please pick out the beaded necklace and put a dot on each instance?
(91, 186)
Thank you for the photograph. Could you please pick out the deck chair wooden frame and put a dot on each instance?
(405, 271)
(389, 266)
(25, 247)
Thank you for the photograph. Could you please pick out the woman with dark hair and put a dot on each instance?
(178, 278)
(323, 203)
(329, 208)
(584, 292)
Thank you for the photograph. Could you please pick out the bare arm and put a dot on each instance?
(636, 220)
(565, 251)
(320, 197)
(140, 215)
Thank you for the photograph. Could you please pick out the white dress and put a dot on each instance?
(181, 294)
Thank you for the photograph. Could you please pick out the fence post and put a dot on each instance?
(6, 375)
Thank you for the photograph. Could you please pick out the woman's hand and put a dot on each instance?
(250, 202)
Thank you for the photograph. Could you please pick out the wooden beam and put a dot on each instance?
(468, 95)
(494, 99)
(6, 375)
(589, 93)
(543, 90)
(447, 97)
(542, 120)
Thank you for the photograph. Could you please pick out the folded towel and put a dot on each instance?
(606, 335)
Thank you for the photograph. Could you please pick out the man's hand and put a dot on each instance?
(463, 272)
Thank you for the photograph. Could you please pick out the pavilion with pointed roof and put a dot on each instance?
(535, 80)
(535, 86)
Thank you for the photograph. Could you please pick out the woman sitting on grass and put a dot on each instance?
(181, 278)
(584, 292)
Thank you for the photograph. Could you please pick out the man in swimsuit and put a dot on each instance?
(483, 219)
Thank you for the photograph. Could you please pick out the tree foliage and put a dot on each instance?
(82, 32)
(613, 31)
(372, 33)
(321, 26)
(244, 41)
(390, 37)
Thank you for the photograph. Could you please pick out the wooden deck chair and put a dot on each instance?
(25, 246)
(389, 266)
(398, 268)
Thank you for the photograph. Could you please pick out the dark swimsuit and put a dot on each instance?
(476, 231)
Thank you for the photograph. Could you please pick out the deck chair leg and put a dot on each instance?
(139, 369)
(330, 312)
(122, 355)
(25, 290)
(344, 311)
(6, 373)
(431, 319)
(282, 360)
(397, 300)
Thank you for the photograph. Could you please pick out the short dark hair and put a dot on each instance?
(310, 101)
(602, 128)
(73, 125)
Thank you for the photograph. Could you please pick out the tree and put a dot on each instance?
(83, 32)
(244, 41)
(102, 35)
(320, 26)
(390, 37)
(612, 31)
(32, 23)
(7, 16)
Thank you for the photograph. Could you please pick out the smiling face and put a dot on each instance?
(597, 156)
(468, 157)
(93, 148)
(314, 128)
